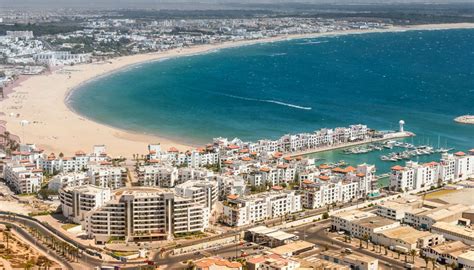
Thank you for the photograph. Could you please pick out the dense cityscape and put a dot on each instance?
(228, 204)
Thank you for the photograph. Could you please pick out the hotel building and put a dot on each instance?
(145, 213)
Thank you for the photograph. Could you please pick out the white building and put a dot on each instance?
(362, 224)
(60, 58)
(145, 213)
(77, 202)
(23, 177)
(239, 211)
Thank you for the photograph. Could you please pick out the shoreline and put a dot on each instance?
(56, 127)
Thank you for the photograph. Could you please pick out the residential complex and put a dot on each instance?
(451, 168)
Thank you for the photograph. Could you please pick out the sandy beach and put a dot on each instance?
(40, 100)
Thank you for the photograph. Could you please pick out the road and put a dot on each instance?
(85, 260)
(228, 251)
(38, 245)
(317, 234)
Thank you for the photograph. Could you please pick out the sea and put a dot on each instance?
(267, 90)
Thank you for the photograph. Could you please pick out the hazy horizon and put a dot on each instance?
(157, 4)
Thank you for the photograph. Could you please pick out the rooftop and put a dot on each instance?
(292, 247)
(374, 222)
(405, 233)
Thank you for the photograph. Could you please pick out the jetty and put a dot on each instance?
(385, 137)
(465, 119)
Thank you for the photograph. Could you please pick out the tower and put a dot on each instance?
(402, 123)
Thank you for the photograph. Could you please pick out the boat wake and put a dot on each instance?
(270, 101)
(312, 42)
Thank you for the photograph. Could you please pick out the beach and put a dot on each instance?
(37, 112)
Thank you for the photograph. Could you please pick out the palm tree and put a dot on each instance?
(366, 240)
(413, 254)
(6, 238)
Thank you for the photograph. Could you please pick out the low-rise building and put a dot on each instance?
(271, 262)
(362, 224)
(454, 232)
(405, 239)
(354, 261)
(446, 253)
(214, 263)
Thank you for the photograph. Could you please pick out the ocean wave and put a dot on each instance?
(270, 101)
(277, 54)
(312, 42)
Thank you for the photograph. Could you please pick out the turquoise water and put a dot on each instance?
(266, 90)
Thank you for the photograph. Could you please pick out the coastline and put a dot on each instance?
(42, 100)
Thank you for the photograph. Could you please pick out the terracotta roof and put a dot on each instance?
(324, 177)
(287, 158)
(431, 164)
(307, 182)
(264, 169)
(173, 149)
(360, 175)
(246, 159)
(232, 196)
(232, 147)
(228, 162)
(282, 166)
(243, 151)
(323, 166)
(206, 263)
(277, 188)
(153, 161)
(350, 169)
(80, 153)
(397, 168)
(459, 154)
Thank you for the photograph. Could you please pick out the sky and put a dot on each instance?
(178, 4)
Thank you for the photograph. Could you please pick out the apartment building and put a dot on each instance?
(201, 191)
(78, 201)
(71, 179)
(239, 211)
(451, 168)
(338, 186)
(23, 176)
(145, 213)
(168, 176)
(105, 175)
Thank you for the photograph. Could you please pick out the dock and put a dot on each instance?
(386, 137)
